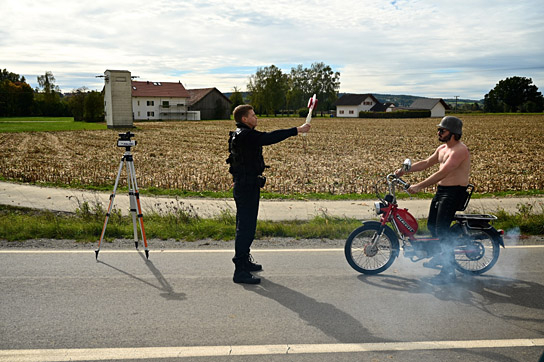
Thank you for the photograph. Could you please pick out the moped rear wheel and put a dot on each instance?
(368, 257)
(476, 252)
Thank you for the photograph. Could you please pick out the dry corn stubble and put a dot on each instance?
(339, 156)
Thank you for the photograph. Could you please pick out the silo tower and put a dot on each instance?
(118, 99)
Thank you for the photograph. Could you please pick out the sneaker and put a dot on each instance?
(245, 277)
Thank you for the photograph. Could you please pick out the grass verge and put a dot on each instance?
(184, 224)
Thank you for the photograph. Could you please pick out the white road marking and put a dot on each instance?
(101, 354)
(85, 251)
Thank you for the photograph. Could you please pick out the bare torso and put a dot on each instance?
(458, 176)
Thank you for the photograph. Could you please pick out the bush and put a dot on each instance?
(302, 112)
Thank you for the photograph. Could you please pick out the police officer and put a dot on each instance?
(247, 166)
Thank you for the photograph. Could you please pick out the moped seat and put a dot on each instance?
(475, 221)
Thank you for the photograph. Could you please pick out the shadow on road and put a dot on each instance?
(166, 289)
(481, 292)
(326, 317)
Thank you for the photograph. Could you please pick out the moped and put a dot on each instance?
(373, 247)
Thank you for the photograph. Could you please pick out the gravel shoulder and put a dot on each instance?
(209, 244)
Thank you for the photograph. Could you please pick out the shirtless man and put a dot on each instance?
(452, 179)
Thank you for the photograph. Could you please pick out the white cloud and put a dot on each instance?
(423, 47)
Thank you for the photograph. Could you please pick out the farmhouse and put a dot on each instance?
(161, 101)
(437, 106)
(349, 105)
(210, 102)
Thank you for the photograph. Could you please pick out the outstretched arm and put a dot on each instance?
(421, 165)
(452, 163)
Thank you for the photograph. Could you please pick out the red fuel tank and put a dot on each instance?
(406, 222)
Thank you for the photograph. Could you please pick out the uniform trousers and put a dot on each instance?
(247, 193)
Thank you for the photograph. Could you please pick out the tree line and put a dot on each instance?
(17, 98)
(515, 94)
(271, 91)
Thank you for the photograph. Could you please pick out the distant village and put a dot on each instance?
(127, 100)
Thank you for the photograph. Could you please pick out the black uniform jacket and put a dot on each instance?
(246, 148)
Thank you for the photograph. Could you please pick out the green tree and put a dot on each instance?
(275, 89)
(16, 98)
(268, 89)
(236, 99)
(76, 103)
(48, 96)
(4, 74)
(271, 90)
(325, 84)
(299, 88)
(256, 88)
(515, 94)
(94, 107)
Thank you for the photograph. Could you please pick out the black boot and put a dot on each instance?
(241, 271)
(435, 262)
(253, 267)
(446, 276)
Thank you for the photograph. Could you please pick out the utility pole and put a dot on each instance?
(456, 102)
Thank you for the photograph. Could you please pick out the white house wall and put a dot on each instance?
(347, 111)
(153, 108)
(438, 110)
(353, 110)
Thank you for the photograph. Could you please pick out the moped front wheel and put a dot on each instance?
(371, 251)
(477, 251)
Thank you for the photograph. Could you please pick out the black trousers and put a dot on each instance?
(247, 193)
(446, 202)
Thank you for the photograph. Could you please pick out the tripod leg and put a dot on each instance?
(112, 198)
(132, 199)
(140, 214)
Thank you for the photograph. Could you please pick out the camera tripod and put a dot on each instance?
(134, 195)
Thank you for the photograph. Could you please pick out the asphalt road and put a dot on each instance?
(311, 306)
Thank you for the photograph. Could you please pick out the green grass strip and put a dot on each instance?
(86, 225)
(44, 124)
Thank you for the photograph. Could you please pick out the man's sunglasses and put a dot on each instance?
(441, 130)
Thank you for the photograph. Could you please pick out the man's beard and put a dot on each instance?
(445, 139)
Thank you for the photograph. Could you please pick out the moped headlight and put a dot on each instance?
(378, 206)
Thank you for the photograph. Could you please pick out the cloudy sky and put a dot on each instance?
(429, 48)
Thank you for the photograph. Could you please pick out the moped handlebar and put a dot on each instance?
(392, 178)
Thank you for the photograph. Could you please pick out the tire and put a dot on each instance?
(477, 251)
(362, 257)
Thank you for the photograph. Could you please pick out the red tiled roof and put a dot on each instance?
(159, 89)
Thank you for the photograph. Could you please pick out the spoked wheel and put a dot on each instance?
(476, 252)
(369, 252)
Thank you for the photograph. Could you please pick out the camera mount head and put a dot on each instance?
(125, 140)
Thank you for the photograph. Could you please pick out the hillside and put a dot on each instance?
(400, 100)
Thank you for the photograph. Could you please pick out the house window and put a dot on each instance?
(138, 113)
(138, 103)
(151, 114)
(150, 103)
(351, 112)
(166, 104)
(342, 112)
